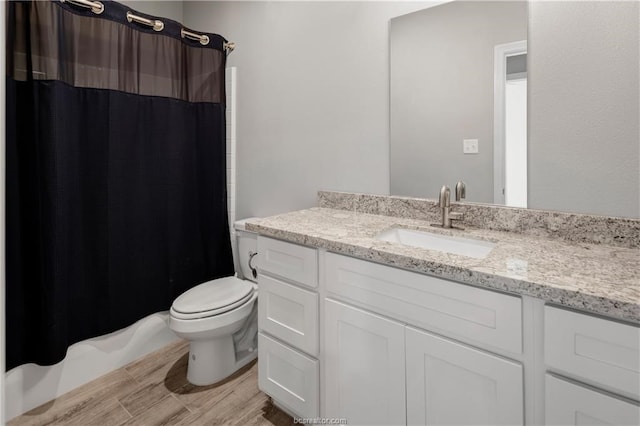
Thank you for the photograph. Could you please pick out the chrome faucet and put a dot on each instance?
(444, 202)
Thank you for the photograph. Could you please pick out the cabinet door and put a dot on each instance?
(450, 383)
(363, 367)
(570, 404)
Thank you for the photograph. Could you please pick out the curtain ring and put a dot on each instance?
(156, 24)
(203, 39)
(95, 6)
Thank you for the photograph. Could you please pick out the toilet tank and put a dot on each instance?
(246, 244)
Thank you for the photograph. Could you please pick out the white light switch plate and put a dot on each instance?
(470, 146)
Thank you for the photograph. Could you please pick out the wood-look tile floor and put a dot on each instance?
(154, 391)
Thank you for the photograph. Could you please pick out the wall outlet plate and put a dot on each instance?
(470, 146)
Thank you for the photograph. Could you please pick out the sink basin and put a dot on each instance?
(455, 245)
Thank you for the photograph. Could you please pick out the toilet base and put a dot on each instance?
(213, 360)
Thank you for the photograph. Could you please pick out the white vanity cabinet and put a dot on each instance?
(380, 369)
(288, 346)
(344, 338)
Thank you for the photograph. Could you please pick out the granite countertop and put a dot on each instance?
(599, 278)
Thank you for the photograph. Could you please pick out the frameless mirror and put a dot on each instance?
(460, 75)
(449, 65)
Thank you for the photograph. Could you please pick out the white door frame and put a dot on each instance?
(501, 53)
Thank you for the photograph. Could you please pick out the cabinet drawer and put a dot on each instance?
(289, 313)
(605, 353)
(483, 317)
(288, 376)
(569, 404)
(289, 261)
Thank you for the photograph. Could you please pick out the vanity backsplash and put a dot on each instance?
(572, 227)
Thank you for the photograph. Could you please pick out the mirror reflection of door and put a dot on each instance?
(510, 124)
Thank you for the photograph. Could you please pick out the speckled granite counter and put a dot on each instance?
(599, 278)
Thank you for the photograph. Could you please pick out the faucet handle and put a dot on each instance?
(444, 199)
(456, 215)
(461, 190)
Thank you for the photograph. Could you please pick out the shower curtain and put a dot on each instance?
(116, 181)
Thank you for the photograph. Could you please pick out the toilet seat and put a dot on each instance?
(212, 298)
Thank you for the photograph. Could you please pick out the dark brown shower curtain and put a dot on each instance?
(116, 183)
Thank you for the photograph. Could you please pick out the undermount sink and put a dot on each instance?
(455, 245)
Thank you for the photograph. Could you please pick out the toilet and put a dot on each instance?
(219, 317)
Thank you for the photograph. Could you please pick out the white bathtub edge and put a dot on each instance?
(31, 385)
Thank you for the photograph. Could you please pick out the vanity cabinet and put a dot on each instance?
(288, 345)
(346, 338)
(380, 369)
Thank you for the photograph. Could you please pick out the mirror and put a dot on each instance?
(443, 69)
(460, 92)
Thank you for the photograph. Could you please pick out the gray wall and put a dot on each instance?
(160, 8)
(584, 107)
(313, 96)
(442, 62)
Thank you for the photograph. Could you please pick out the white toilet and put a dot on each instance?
(219, 318)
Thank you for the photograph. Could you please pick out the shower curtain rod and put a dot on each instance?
(157, 25)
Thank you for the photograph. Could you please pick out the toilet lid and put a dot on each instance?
(218, 295)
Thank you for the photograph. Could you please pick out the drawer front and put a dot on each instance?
(289, 261)
(606, 353)
(482, 317)
(288, 376)
(289, 313)
(570, 404)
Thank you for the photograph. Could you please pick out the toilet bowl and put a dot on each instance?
(219, 319)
